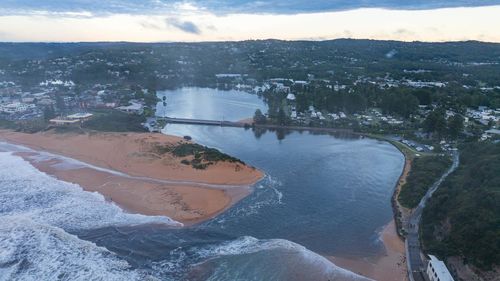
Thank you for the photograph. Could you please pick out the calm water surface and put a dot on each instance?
(322, 195)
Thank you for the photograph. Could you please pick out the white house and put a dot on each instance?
(134, 108)
(437, 271)
(80, 116)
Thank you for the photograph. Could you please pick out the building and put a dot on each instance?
(73, 119)
(16, 107)
(437, 271)
(493, 132)
(64, 121)
(134, 108)
(80, 116)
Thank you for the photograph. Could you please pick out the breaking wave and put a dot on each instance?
(27, 192)
(33, 251)
(275, 259)
(36, 210)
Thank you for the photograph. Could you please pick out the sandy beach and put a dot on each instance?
(133, 154)
(401, 214)
(388, 267)
(151, 184)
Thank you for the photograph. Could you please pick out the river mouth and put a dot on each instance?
(323, 195)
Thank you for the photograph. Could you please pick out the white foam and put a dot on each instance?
(27, 192)
(268, 195)
(289, 250)
(33, 251)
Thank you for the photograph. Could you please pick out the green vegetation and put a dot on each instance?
(114, 121)
(424, 172)
(6, 124)
(202, 156)
(436, 123)
(259, 118)
(25, 126)
(463, 216)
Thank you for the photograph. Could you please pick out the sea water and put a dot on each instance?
(323, 195)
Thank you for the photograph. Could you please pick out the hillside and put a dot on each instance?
(463, 217)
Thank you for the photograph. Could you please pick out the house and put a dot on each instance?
(80, 116)
(73, 119)
(133, 108)
(437, 271)
(60, 121)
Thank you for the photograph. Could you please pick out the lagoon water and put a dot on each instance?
(323, 195)
(209, 104)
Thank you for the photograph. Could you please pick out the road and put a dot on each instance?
(416, 265)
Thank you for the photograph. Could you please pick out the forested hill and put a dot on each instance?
(463, 216)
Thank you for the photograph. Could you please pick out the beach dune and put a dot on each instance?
(147, 183)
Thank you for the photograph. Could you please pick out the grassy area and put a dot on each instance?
(202, 156)
(6, 124)
(424, 172)
(107, 120)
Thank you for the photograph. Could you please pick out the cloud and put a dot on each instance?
(403, 33)
(186, 26)
(149, 25)
(162, 7)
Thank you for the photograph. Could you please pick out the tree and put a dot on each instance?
(436, 122)
(48, 113)
(282, 119)
(259, 118)
(60, 104)
(455, 126)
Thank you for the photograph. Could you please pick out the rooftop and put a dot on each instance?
(440, 268)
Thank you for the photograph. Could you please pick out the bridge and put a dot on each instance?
(203, 122)
(223, 123)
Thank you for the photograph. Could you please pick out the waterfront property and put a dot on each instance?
(437, 271)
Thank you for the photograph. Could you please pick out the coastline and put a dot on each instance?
(400, 213)
(391, 266)
(118, 167)
(183, 202)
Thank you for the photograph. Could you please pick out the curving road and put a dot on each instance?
(416, 265)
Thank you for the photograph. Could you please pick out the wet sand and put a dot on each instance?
(388, 267)
(184, 201)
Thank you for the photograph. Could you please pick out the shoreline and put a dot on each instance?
(390, 266)
(134, 155)
(190, 204)
(400, 213)
(181, 200)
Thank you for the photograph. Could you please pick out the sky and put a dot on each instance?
(222, 20)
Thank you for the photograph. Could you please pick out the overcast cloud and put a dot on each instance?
(144, 7)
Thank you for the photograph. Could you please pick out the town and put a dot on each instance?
(335, 86)
(433, 101)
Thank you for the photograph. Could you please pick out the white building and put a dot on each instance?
(80, 116)
(437, 271)
(133, 108)
(16, 107)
